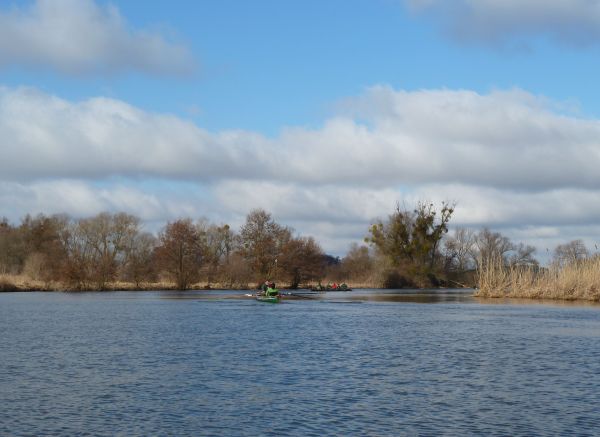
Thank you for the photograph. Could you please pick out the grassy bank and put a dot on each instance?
(13, 283)
(16, 283)
(575, 281)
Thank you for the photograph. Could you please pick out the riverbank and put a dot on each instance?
(23, 282)
(575, 281)
(14, 283)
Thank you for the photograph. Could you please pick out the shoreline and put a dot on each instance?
(127, 287)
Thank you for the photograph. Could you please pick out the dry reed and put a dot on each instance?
(575, 281)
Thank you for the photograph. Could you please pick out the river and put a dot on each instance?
(359, 363)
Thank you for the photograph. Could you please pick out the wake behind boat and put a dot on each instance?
(268, 299)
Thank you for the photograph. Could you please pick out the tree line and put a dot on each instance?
(410, 248)
(96, 252)
(414, 248)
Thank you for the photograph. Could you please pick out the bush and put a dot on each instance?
(393, 279)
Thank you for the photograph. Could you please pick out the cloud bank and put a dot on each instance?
(510, 159)
(81, 37)
(573, 22)
(504, 139)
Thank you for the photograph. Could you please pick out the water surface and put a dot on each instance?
(358, 363)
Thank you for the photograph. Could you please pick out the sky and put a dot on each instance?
(326, 113)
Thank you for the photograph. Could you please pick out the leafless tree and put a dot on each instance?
(523, 256)
(109, 238)
(219, 243)
(262, 240)
(140, 266)
(357, 265)
(236, 271)
(180, 252)
(459, 250)
(570, 252)
(491, 247)
(301, 261)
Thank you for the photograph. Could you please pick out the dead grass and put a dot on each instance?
(576, 281)
(23, 283)
(12, 283)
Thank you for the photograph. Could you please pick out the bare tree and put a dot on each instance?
(180, 252)
(358, 263)
(109, 236)
(236, 271)
(491, 247)
(219, 242)
(459, 250)
(523, 256)
(78, 265)
(262, 240)
(140, 266)
(570, 252)
(301, 261)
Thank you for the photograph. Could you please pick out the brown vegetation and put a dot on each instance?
(111, 252)
(409, 242)
(409, 249)
(579, 279)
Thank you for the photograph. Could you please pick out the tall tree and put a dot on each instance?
(459, 250)
(301, 260)
(412, 237)
(77, 269)
(45, 251)
(219, 242)
(358, 263)
(492, 247)
(262, 240)
(109, 236)
(12, 253)
(523, 256)
(140, 266)
(180, 252)
(570, 252)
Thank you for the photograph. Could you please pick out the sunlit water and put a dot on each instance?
(360, 363)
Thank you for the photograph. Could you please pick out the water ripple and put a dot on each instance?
(136, 364)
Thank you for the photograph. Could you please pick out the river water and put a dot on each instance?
(359, 363)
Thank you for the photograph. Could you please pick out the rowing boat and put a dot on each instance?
(271, 295)
(268, 299)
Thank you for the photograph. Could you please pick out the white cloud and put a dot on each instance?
(510, 139)
(82, 37)
(81, 199)
(511, 160)
(338, 216)
(575, 22)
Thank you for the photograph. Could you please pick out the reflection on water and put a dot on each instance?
(408, 296)
(551, 302)
(366, 362)
(426, 296)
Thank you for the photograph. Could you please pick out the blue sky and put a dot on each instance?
(372, 88)
(267, 64)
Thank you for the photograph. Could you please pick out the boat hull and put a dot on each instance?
(268, 299)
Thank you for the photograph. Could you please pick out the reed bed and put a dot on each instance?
(578, 280)
(23, 283)
(11, 283)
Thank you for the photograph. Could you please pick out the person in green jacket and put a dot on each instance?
(270, 289)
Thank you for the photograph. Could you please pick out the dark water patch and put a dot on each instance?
(165, 364)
